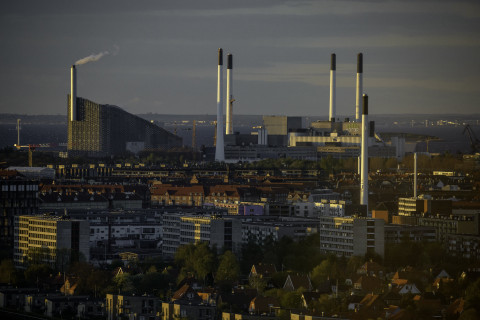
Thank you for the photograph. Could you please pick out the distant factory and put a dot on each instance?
(289, 137)
(99, 130)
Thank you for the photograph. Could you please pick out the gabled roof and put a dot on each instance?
(371, 266)
(264, 270)
(370, 284)
(298, 281)
(262, 304)
(239, 298)
(186, 292)
(370, 300)
(456, 307)
(310, 296)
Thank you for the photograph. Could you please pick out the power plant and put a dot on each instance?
(219, 146)
(282, 136)
(364, 154)
(230, 100)
(333, 67)
(100, 130)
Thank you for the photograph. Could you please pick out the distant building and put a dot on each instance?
(463, 245)
(42, 236)
(222, 232)
(131, 306)
(35, 172)
(102, 130)
(18, 196)
(396, 233)
(261, 229)
(424, 205)
(349, 236)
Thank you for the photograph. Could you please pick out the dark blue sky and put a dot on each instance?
(419, 56)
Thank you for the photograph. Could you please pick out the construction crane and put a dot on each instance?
(31, 148)
(474, 142)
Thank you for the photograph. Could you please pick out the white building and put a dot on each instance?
(347, 236)
(222, 232)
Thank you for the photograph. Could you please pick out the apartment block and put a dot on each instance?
(347, 236)
(219, 231)
(45, 235)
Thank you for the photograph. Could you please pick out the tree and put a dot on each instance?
(204, 260)
(257, 282)
(124, 283)
(328, 269)
(353, 264)
(228, 269)
(291, 300)
(472, 296)
(197, 259)
(251, 253)
(8, 273)
(37, 273)
(97, 282)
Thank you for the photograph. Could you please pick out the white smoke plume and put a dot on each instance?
(92, 58)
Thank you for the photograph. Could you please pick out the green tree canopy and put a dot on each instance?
(228, 269)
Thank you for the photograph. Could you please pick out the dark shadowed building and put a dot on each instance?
(102, 130)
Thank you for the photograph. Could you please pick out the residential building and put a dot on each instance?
(463, 245)
(424, 204)
(187, 304)
(18, 196)
(396, 233)
(121, 306)
(349, 236)
(220, 231)
(43, 237)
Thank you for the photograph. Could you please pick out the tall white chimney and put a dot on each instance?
(73, 93)
(333, 67)
(219, 148)
(415, 175)
(358, 100)
(229, 127)
(364, 154)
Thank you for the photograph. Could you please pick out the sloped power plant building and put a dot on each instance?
(99, 130)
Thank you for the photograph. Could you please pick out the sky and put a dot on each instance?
(420, 56)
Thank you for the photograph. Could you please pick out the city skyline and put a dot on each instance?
(419, 57)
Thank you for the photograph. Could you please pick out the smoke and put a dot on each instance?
(92, 58)
(98, 56)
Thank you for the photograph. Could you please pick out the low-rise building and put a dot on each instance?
(120, 306)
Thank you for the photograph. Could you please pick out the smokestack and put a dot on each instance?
(333, 68)
(229, 127)
(415, 175)
(73, 93)
(359, 86)
(364, 155)
(219, 148)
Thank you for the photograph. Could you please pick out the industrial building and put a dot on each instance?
(46, 235)
(288, 137)
(100, 130)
